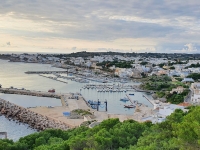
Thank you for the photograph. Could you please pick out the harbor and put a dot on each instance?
(34, 120)
(28, 92)
(35, 86)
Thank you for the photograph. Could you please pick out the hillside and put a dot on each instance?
(179, 131)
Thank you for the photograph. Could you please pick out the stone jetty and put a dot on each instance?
(34, 120)
(28, 92)
(45, 72)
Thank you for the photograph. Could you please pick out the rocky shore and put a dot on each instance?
(34, 120)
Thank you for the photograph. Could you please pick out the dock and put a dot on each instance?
(28, 92)
(45, 72)
(149, 100)
(53, 78)
(129, 99)
(63, 101)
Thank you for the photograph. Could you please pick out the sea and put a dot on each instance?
(13, 74)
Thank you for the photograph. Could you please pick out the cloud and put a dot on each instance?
(167, 24)
(188, 48)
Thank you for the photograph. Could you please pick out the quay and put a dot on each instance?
(4, 133)
(135, 102)
(45, 72)
(139, 90)
(28, 92)
(151, 101)
(34, 120)
(53, 78)
(109, 87)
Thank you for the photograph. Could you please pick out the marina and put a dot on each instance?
(36, 83)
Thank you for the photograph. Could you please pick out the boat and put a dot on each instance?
(50, 106)
(51, 90)
(131, 94)
(124, 99)
(129, 106)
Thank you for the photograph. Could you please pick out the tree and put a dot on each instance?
(188, 131)
(40, 141)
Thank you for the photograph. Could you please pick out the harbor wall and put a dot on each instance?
(28, 92)
(34, 120)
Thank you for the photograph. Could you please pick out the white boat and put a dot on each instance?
(125, 99)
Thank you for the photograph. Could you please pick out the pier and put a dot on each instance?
(28, 92)
(149, 100)
(129, 99)
(45, 72)
(53, 78)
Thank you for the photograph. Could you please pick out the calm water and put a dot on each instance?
(14, 130)
(30, 101)
(12, 74)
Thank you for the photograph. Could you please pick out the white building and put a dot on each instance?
(195, 88)
(164, 110)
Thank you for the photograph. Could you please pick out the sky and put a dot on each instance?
(65, 26)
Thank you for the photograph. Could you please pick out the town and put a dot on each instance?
(172, 79)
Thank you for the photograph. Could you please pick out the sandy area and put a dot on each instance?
(56, 113)
(68, 105)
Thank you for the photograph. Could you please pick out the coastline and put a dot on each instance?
(57, 112)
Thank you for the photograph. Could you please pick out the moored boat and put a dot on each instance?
(51, 90)
(124, 99)
(129, 106)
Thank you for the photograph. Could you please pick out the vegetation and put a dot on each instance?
(120, 64)
(193, 66)
(157, 83)
(175, 98)
(82, 112)
(143, 75)
(163, 85)
(161, 65)
(160, 94)
(179, 79)
(172, 68)
(144, 63)
(179, 131)
(194, 76)
(176, 62)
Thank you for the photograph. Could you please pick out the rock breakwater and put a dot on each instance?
(34, 120)
(28, 92)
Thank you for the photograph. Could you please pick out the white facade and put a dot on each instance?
(195, 88)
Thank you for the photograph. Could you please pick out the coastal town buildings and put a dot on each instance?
(195, 88)
(161, 111)
(178, 90)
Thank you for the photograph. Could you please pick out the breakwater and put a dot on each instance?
(28, 92)
(53, 78)
(45, 72)
(34, 120)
